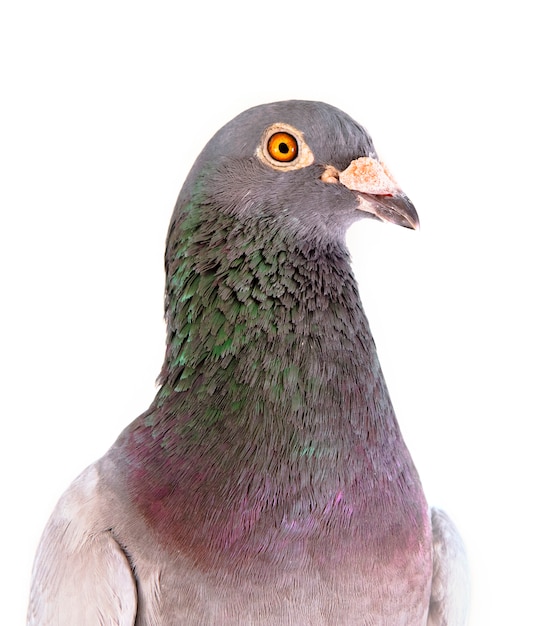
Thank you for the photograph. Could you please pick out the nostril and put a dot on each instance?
(370, 176)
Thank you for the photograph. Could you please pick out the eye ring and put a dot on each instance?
(282, 147)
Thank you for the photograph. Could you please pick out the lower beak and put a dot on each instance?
(378, 192)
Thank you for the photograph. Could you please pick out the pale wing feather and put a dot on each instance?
(81, 575)
(450, 590)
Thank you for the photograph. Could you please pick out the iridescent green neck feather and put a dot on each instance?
(252, 313)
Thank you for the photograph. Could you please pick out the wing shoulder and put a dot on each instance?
(450, 589)
(81, 575)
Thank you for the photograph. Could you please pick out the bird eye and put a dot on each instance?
(283, 147)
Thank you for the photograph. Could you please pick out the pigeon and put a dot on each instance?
(268, 483)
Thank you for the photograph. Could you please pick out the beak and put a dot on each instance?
(396, 209)
(378, 192)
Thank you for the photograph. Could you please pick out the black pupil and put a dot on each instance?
(283, 148)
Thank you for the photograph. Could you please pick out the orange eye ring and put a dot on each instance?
(283, 147)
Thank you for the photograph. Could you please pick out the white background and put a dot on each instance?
(105, 106)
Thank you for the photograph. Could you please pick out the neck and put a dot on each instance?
(271, 391)
(271, 323)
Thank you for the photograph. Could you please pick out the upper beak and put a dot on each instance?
(378, 192)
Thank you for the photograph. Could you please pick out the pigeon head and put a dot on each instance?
(306, 167)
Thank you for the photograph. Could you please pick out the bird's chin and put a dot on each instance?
(396, 209)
